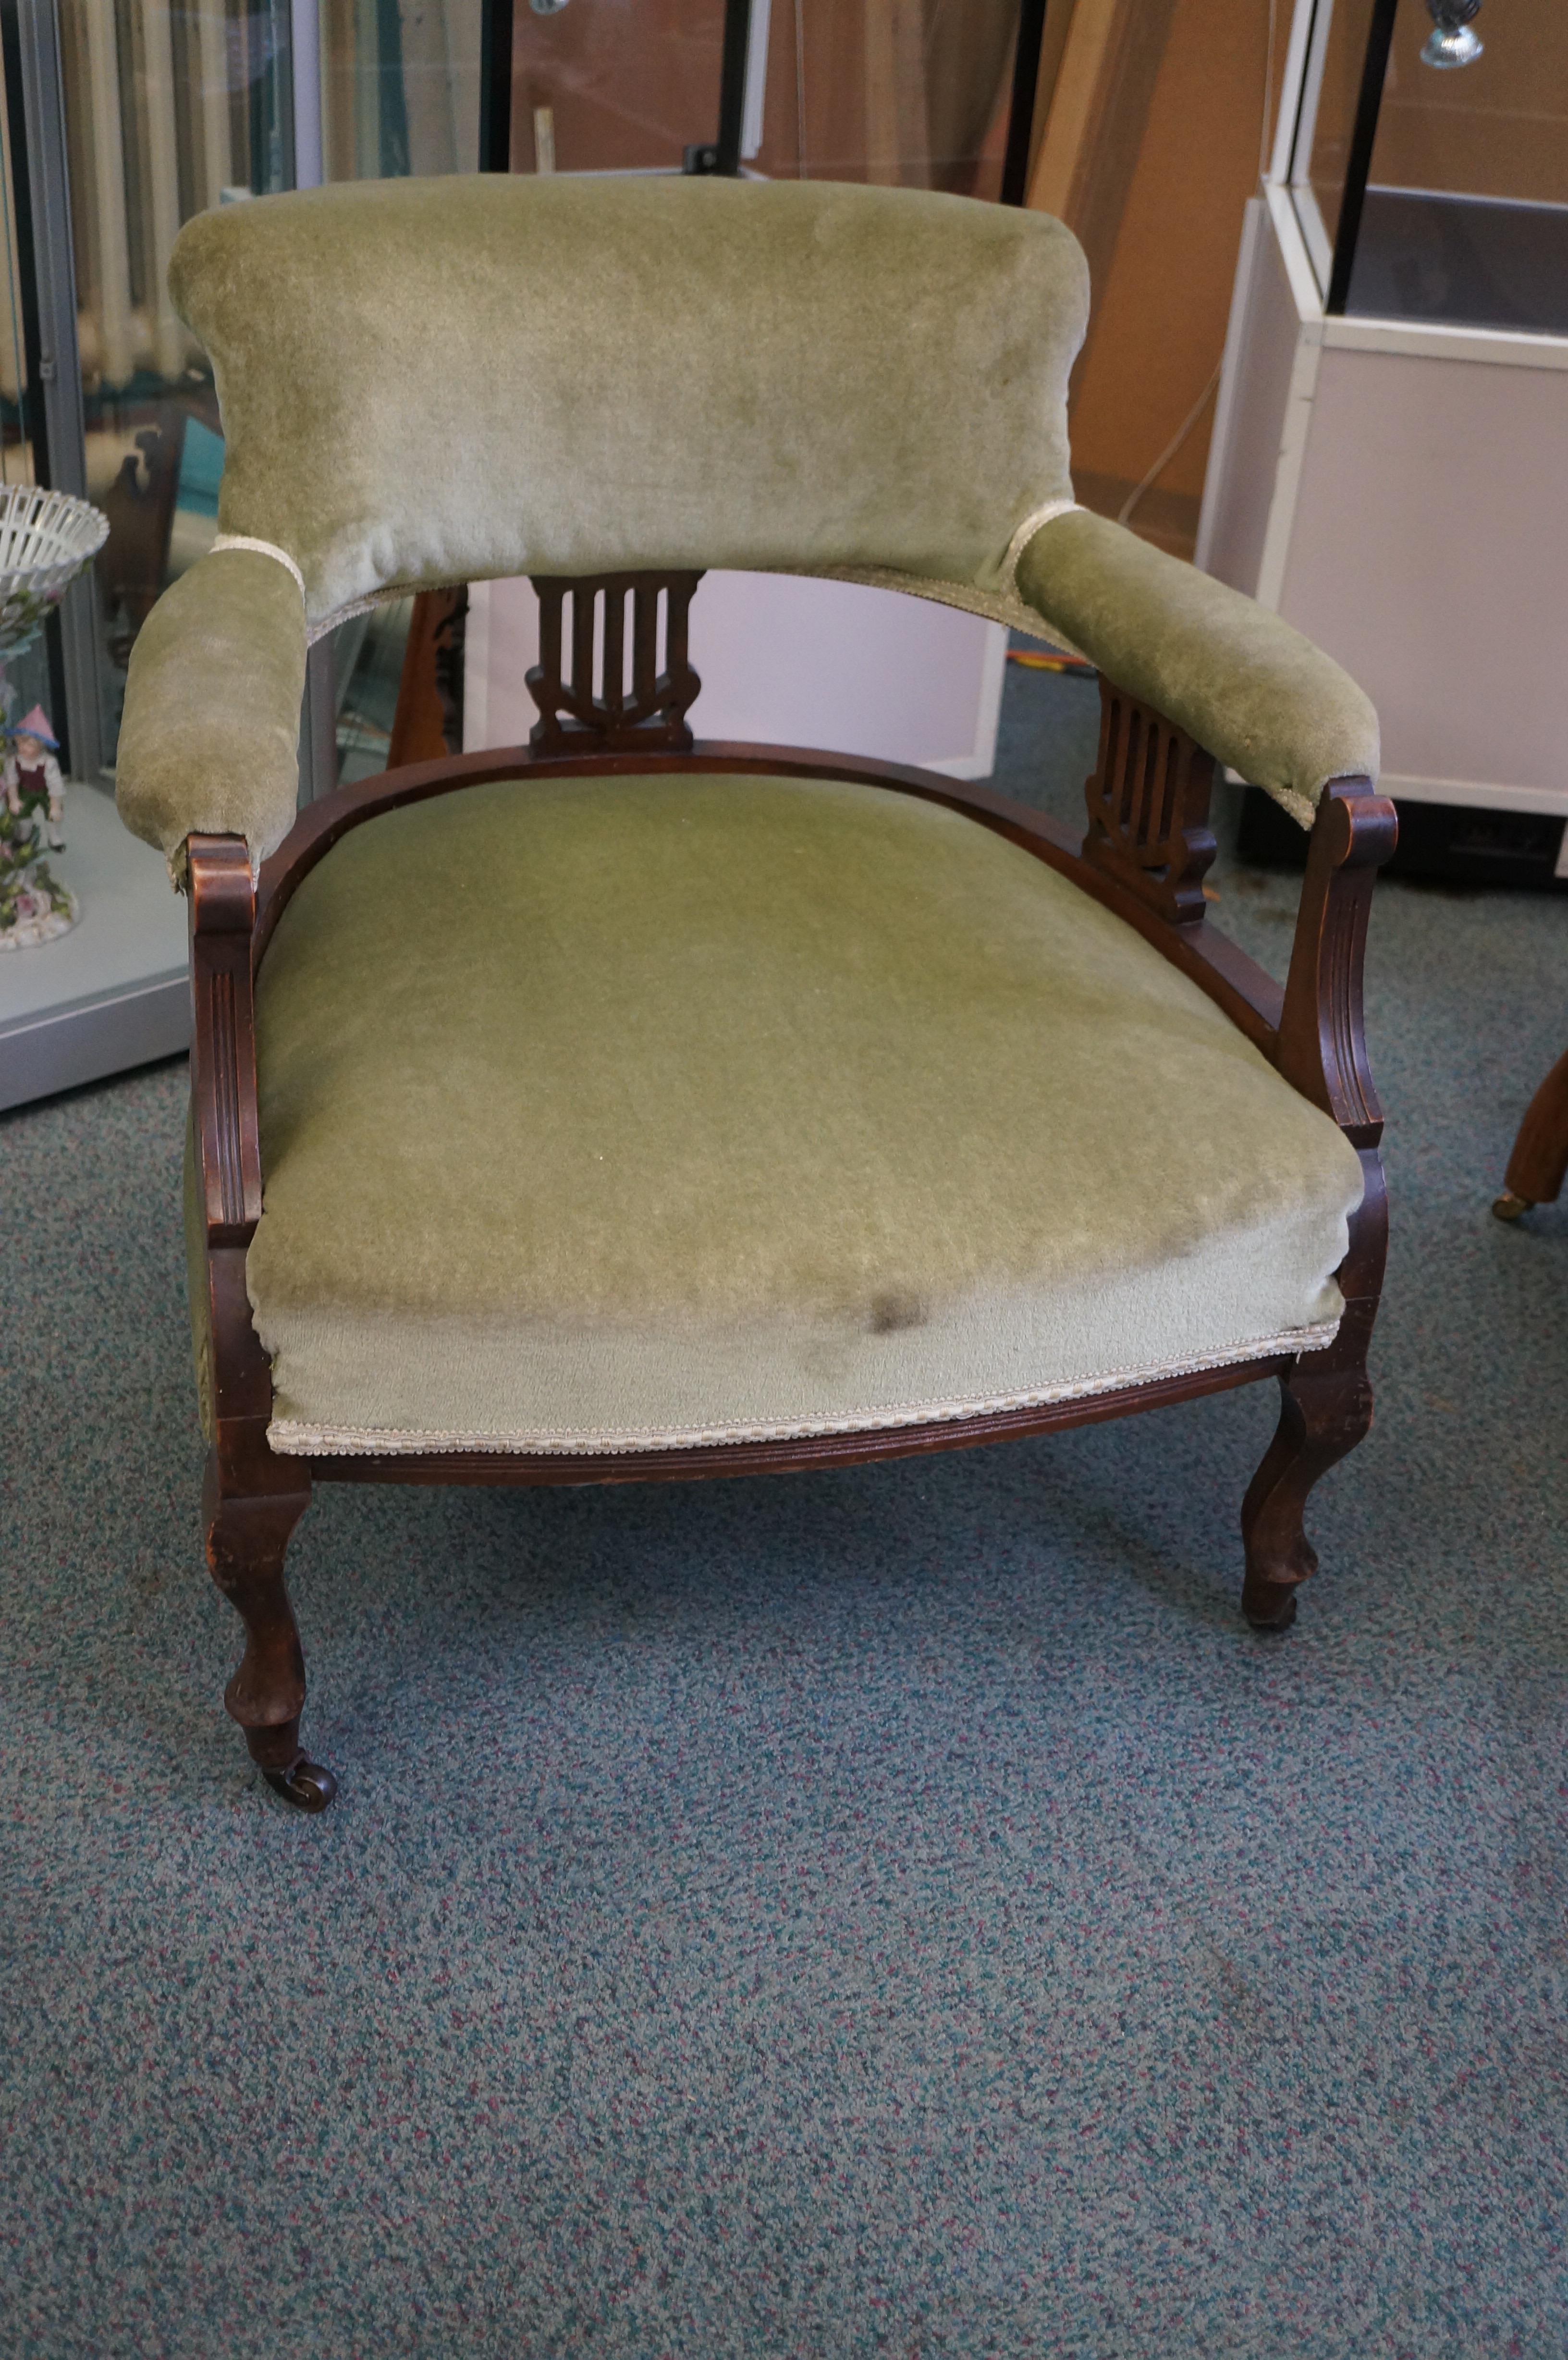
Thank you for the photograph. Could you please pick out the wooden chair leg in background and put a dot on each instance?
(1325, 1408)
(427, 722)
(247, 1537)
(1539, 1159)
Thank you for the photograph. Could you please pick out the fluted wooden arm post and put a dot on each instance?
(223, 1044)
(1323, 1040)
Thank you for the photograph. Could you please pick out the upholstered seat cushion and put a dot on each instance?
(646, 1112)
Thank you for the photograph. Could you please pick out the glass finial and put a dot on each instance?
(1451, 42)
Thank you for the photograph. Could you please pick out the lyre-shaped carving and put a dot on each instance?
(578, 714)
(1149, 808)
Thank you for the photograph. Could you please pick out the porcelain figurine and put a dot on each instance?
(34, 905)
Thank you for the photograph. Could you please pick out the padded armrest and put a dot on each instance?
(1246, 685)
(210, 740)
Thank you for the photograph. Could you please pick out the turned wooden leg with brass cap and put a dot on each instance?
(1539, 1160)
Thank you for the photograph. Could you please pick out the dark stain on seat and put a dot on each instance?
(889, 1312)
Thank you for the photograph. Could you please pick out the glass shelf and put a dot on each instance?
(1463, 261)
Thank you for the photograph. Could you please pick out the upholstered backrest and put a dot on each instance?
(444, 380)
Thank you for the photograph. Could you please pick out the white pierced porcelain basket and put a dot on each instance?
(46, 540)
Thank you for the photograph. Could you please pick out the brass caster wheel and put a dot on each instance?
(1507, 1207)
(307, 1785)
(1279, 1618)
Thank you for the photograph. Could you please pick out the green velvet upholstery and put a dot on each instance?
(427, 381)
(636, 1111)
(209, 735)
(1236, 678)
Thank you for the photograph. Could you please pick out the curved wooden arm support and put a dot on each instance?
(1148, 841)
(1146, 850)
(1322, 1044)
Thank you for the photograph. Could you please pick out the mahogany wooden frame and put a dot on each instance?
(1143, 857)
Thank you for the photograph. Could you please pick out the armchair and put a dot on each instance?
(626, 1107)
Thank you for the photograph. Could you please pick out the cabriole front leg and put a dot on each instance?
(1321, 1050)
(1325, 1408)
(247, 1536)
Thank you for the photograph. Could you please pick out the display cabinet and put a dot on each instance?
(1389, 462)
(121, 121)
(111, 991)
(888, 91)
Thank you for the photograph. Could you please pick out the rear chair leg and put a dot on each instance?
(246, 1540)
(1539, 1160)
(1325, 1408)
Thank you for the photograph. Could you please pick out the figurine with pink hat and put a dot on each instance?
(34, 905)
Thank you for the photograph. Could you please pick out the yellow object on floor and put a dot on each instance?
(1036, 660)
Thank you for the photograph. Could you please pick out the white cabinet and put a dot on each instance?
(1395, 483)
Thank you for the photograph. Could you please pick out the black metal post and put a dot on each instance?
(1020, 118)
(731, 86)
(496, 87)
(1358, 164)
(723, 158)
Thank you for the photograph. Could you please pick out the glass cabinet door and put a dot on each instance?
(173, 106)
(400, 88)
(601, 86)
(912, 92)
(26, 673)
(170, 109)
(1450, 202)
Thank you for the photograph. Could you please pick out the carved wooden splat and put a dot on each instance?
(1149, 808)
(582, 713)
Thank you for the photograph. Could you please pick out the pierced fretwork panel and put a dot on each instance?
(1149, 808)
(586, 706)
